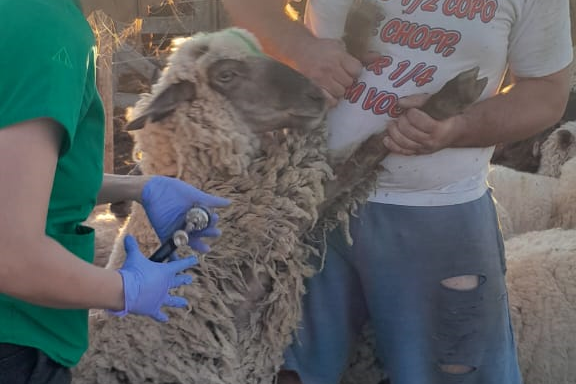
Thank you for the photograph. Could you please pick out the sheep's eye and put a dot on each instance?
(226, 76)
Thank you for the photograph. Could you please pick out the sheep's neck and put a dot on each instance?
(214, 149)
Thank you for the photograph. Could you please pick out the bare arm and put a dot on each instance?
(324, 61)
(279, 35)
(118, 188)
(33, 267)
(531, 106)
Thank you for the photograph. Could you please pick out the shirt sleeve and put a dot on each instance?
(43, 70)
(540, 42)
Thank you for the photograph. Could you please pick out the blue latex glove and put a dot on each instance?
(147, 284)
(166, 201)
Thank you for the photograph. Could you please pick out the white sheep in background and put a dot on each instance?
(545, 152)
(541, 282)
(531, 202)
(558, 148)
(245, 301)
(524, 201)
(564, 208)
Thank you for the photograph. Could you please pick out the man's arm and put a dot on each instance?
(531, 106)
(279, 35)
(324, 61)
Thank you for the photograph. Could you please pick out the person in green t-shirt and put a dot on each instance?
(51, 177)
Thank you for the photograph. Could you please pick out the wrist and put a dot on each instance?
(139, 187)
(458, 128)
(113, 294)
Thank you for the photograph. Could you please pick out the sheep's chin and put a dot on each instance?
(305, 121)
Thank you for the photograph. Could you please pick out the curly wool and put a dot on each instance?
(524, 200)
(558, 148)
(245, 301)
(532, 202)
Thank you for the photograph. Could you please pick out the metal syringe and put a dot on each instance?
(197, 219)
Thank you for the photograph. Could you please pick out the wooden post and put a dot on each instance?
(106, 89)
(105, 81)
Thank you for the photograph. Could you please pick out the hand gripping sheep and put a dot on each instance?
(238, 124)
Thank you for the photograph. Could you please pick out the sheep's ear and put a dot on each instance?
(164, 104)
(536, 149)
(565, 138)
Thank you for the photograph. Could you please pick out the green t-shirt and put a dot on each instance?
(47, 69)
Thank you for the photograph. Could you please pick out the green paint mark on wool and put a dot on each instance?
(253, 48)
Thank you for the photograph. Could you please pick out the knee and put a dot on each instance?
(459, 326)
(462, 283)
(455, 369)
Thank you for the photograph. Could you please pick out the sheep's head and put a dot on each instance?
(228, 67)
(558, 148)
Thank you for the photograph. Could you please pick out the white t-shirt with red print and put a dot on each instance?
(423, 44)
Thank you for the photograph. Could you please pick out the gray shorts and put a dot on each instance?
(394, 276)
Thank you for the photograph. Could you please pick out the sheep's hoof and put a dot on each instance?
(456, 95)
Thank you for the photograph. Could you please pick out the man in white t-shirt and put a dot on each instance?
(427, 265)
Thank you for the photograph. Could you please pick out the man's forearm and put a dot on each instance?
(117, 188)
(531, 106)
(267, 19)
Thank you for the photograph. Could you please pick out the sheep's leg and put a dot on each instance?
(456, 95)
(453, 98)
(361, 24)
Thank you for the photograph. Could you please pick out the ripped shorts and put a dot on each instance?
(396, 275)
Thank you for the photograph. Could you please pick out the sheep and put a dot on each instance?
(543, 153)
(558, 148)
(524, 201)
(106, 227)
(541, 281)
(542, 296)
(244, 303)
(530, 202)
(525, 155)
(564, 208)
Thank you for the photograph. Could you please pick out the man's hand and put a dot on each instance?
(416, 133)
(326, 63)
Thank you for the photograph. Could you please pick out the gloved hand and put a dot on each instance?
(166, 201)
(147, 284)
